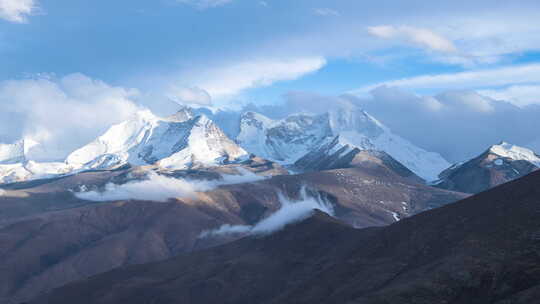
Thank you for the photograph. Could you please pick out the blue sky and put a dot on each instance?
(151, 45)
(232, 52)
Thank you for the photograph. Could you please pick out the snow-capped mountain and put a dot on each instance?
(284, 140)
(336, 155)
(498, 164)
(179, 141)
(15, 165)
(289, 139)
(190, 139)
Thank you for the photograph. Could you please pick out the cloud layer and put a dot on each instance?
(291, 211)
(17, 10)
(61, 114)
(187, 95)
(500, 76)
(161, 188)
(227, 81)
(459, 124)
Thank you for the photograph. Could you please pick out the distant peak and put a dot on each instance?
(514, 152)
(183, 114)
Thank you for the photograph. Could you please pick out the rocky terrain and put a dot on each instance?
(48, 243)
(484, 249)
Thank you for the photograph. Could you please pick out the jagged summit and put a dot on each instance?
(284, 140)
(179, 141)
(183, 114)
(290, 139)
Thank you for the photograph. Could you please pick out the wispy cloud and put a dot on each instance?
(484, 78)
(326, 12)
(17, 10)
(161, 188)
(415, 35)
(204, 4)
(189, 95)
(229, 80)
(520, 95)
(291, 211)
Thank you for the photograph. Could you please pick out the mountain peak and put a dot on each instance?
(183, 114)
(177, 141)
(501, 163)
(514, 152)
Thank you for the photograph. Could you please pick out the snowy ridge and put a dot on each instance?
(289, 139)
(514, 152)
(30, 170)
(284, 140)
(177, 142)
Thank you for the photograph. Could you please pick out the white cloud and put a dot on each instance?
(204, 4)
(187, 95)
(484, 78)
(459, 124)
(418, 36)
(290, 212)
(466, 100)
(520, 95)
(62, 114)
(326, 12)
(17, 10)
(263, 3)
(161, 188)
(229, 80)
(156, 188)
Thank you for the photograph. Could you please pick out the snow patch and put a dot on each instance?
(515, 152)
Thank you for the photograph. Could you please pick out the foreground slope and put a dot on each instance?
(45, 250)
(484, 249)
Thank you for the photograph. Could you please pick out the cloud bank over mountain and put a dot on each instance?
(456, 123)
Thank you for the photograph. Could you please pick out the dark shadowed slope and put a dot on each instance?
(484, 249)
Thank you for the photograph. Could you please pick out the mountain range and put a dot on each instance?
(199, 186)
(190, 138)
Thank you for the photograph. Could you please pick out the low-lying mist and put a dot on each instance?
(161, 188)
(291, 211)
